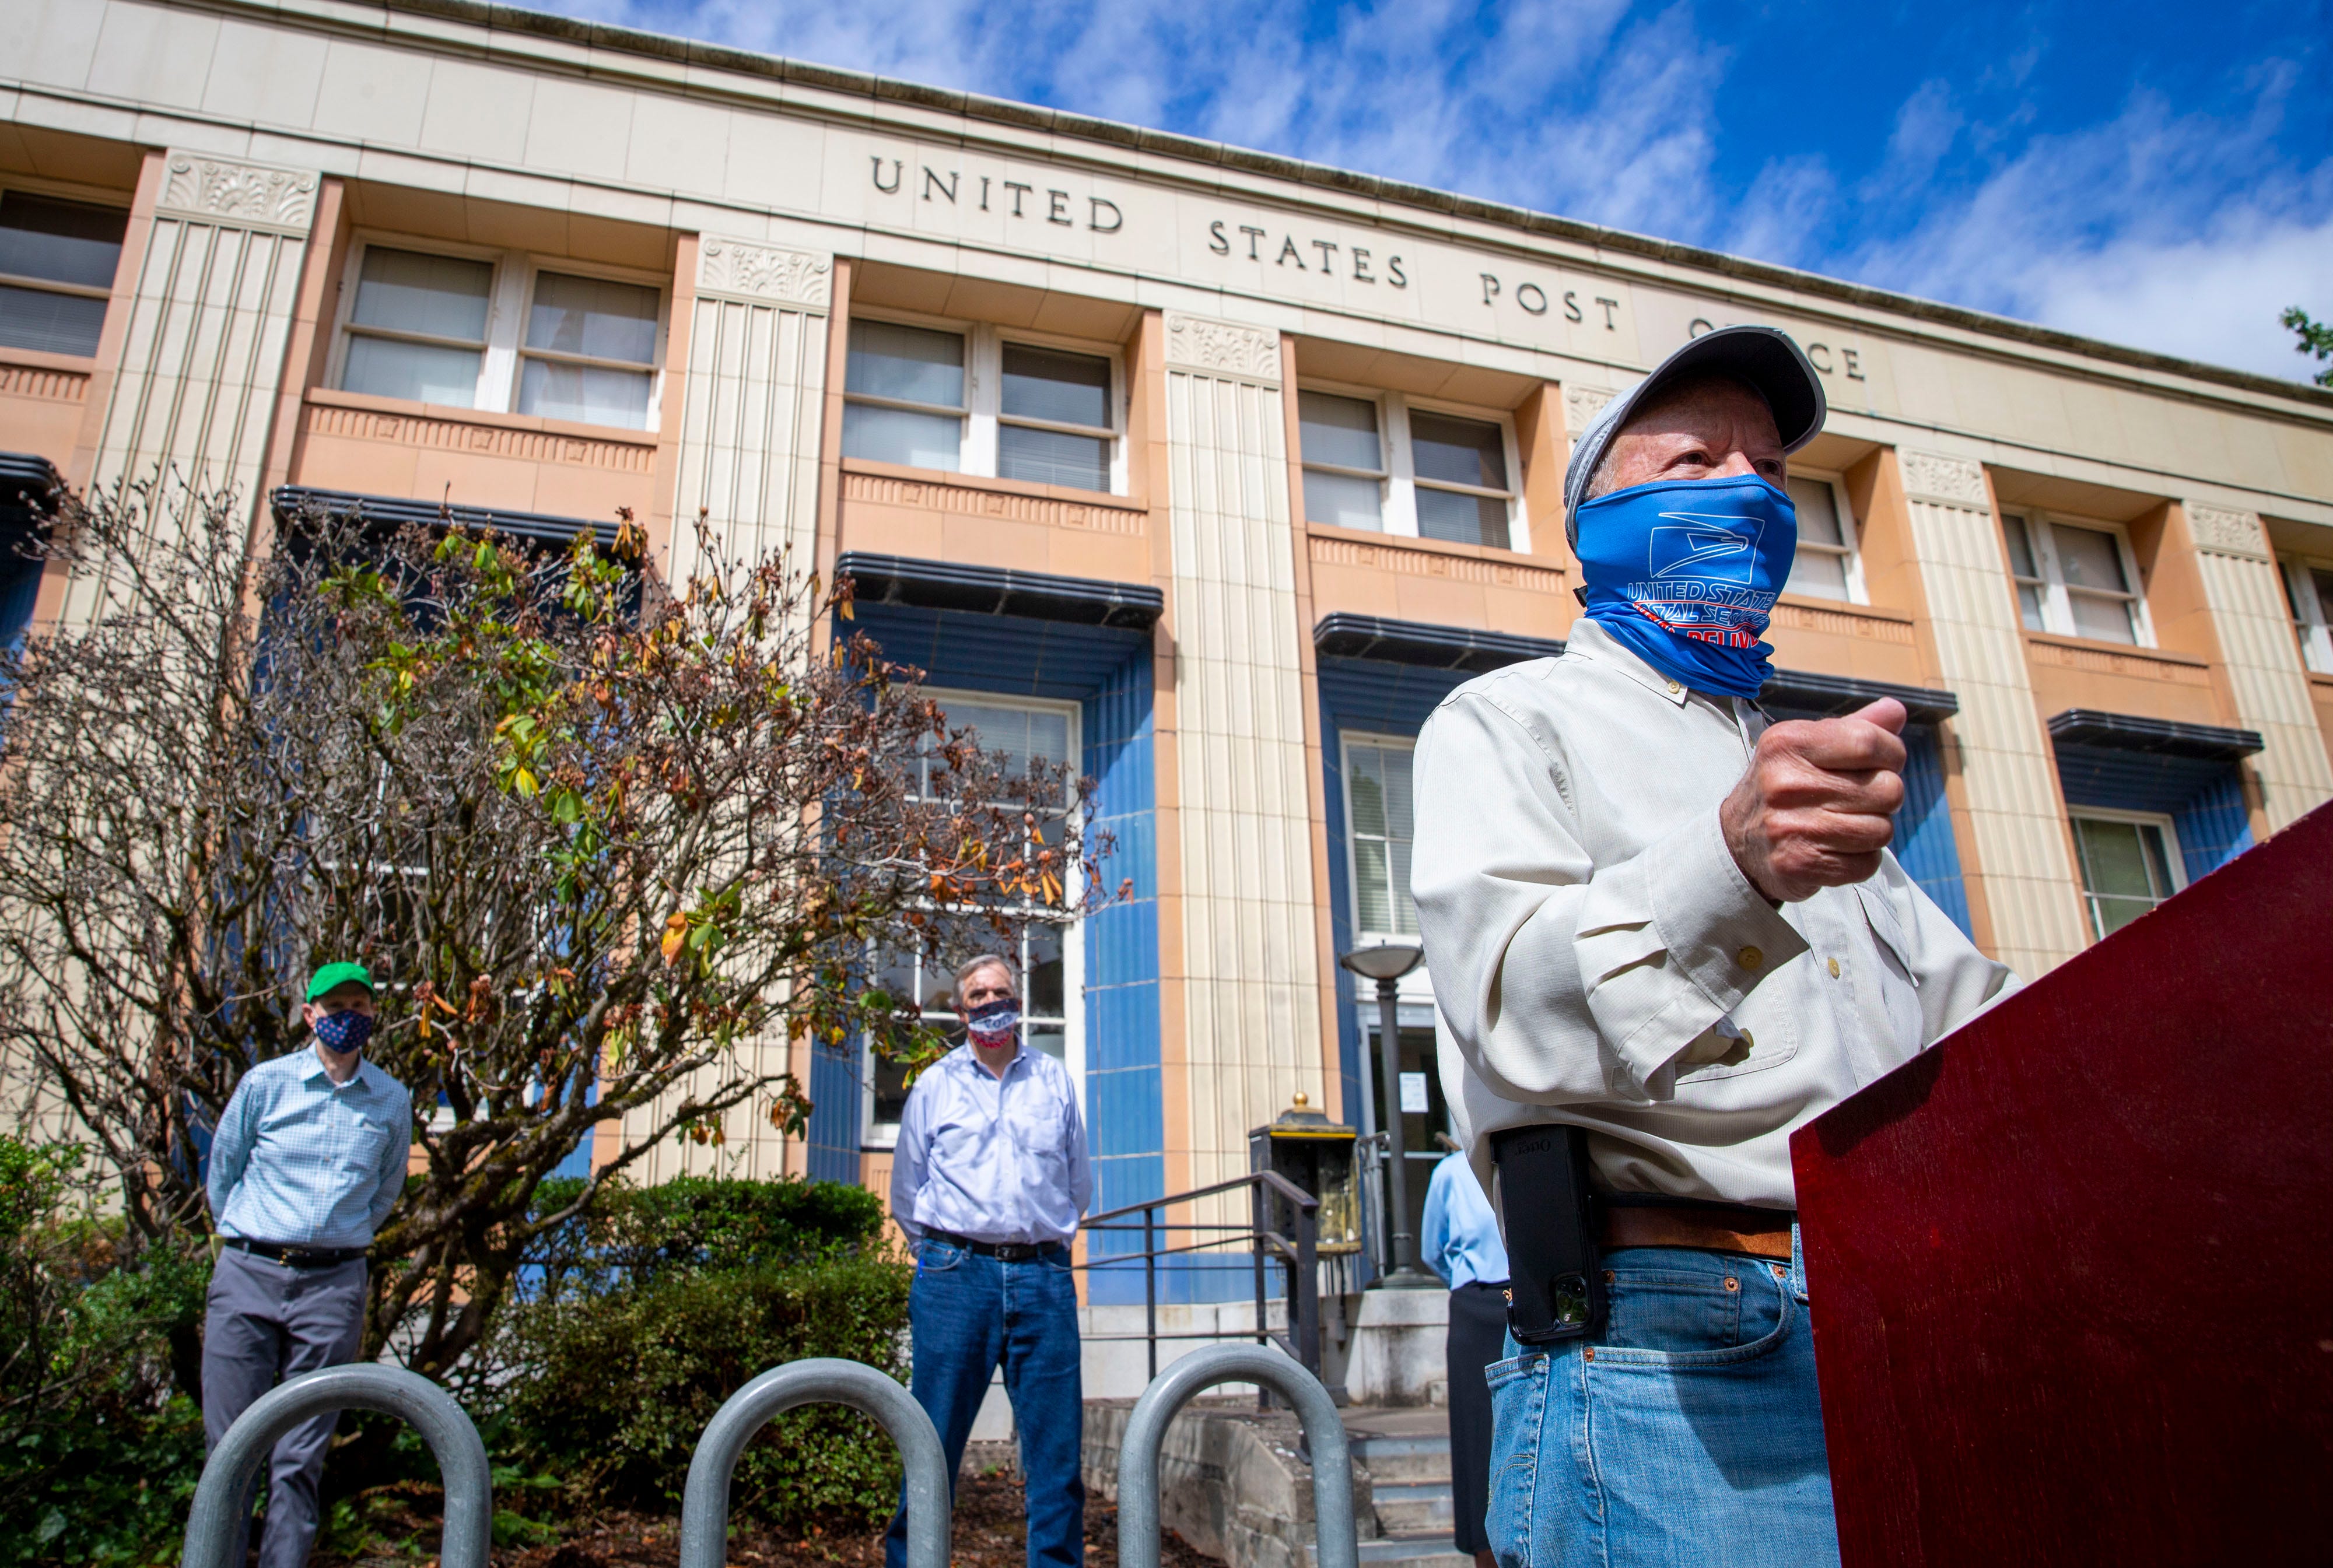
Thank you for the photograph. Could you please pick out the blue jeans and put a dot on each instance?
(968, 1313)
(1690, 1433)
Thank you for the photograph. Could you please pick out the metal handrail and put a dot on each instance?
(1297, 1254)
(223, 1499)
(1138, 1455)
(704, 1502)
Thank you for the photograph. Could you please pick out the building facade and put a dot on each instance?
(1209, 470)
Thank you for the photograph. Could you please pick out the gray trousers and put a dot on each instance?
(266, 1323)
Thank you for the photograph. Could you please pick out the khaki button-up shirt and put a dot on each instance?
(1600, 960)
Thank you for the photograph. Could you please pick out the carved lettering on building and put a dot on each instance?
(1362, 264)
(2226, 531)
(1222, 348)
(947, 187)
(1534, 299)
(1833, 361)
(727, 266)
(1935, 477)
(220, 190)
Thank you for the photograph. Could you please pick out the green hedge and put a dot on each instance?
(696, 1224)
(611, 1390)
(100, 1445)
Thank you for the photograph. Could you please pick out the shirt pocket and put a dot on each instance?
(1772, 1032)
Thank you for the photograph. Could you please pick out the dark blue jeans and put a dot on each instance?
(968, 1313)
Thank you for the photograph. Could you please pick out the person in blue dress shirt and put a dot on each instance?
(1461, 1243)
(308, 1159)
(988, 1180)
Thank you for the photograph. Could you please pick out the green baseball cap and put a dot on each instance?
(339, 974)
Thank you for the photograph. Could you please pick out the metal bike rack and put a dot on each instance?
(704, 1503)
(1170, 1390)
(225, 1493)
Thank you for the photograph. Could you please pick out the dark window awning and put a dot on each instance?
(293, 501)
(1828, 696)
(2154, 737)
(30, 487)
(1352, 637)
(1418, 643)
(947, 585)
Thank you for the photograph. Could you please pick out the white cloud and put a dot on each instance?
(2182, 231)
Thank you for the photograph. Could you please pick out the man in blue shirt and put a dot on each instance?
(308, 1158)
(989, 1180)
(1461, 1243)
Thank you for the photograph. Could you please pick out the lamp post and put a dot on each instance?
(1386, 964)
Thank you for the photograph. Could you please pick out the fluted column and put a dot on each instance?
(752, 399)
(2264, 671)
(1252, 963)
(2024, 864)
(203, 347)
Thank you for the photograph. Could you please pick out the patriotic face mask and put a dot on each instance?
(993, 1024)
(1685, 574)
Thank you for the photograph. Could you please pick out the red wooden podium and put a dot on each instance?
(2072, 1271)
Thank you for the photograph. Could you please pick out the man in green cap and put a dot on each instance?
(309, 1156)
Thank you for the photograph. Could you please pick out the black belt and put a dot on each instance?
(297, 1257)
(1003, 1251)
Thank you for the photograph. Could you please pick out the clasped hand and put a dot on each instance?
(1817, 806)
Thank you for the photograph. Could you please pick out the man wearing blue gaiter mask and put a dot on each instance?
(1663, 931)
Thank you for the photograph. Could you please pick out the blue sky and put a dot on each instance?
(2159, 174)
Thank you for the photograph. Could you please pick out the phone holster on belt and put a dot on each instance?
(1555, 1289)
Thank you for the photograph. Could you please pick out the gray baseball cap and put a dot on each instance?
(1763, 357)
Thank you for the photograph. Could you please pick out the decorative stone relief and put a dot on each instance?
(217, 190)
(1581, 405)
(1222, 348)
(1936, 477)
(2229, 532)
(759, 271)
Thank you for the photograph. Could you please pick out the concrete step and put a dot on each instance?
(1420, 1551)
(1409, 1508)
(1405, 1459)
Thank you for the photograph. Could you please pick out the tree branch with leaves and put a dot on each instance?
(608, 845)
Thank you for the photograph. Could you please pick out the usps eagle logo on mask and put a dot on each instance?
(1703, 547)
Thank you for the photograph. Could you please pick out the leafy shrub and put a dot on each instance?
(100, 1445)
(640, 1235)
(611, 1389)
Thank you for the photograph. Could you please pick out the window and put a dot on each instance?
(2130, 863)
(967, 400)
(498, 332)
(418, 328)
(1053, 427)
(1825, 565)
(2309, 589)
(1462, 479)
(57, 261)
(1384, 463)
(1045, 947)
(1344, 461)
(1380, 822)
(2076, 579)
(590, 350)
(903, 395)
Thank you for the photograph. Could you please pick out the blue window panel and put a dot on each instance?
(1376, 697)
(578, 1163)
(20, 587)
(1107, 671)
(2205, 799)
(1924, 843)
(834, 1115)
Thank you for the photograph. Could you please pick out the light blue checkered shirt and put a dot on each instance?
(302, 1161)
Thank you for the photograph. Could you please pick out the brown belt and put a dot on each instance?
(1707, 1227)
